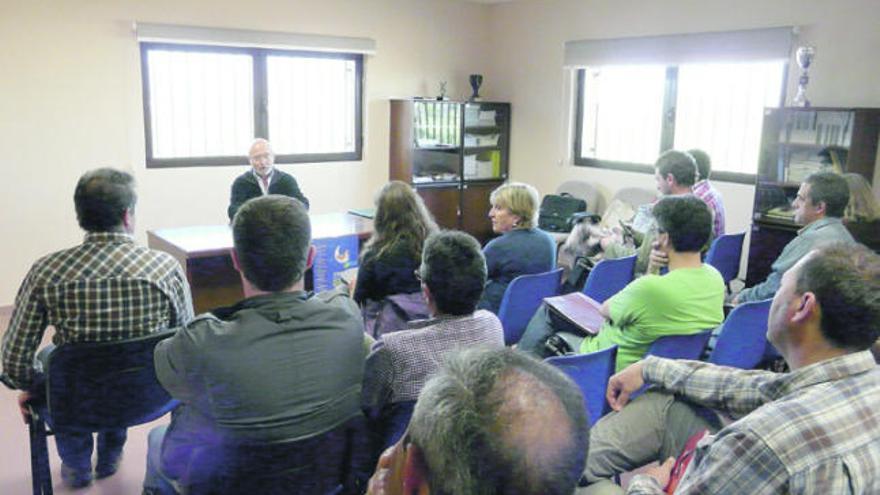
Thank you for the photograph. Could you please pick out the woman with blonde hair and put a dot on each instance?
(522, 248)
(394, 252)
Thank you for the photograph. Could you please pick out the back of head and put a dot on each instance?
(845, 279)
(862, 206)
(831, 189)
(704, 163)
(686, 219)
(272, 235)
(495, 421)
(680, 164)
(102, 197)
(401, 220)
(454, 269)
(522, 201)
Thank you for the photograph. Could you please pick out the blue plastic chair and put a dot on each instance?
(522, 299)
(591, 373)
(93, 387)
(398, 418)
(609, 277)
(743, 338)
(680, 346)
(725, 253)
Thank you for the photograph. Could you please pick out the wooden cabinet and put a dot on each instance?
(454, 154)
(796, 142)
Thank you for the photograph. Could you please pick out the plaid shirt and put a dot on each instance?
(707, 192)
(105, 289)
(814, 430)
(401, 362)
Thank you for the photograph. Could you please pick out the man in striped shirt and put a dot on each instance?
(704, 190)
(107, 288)
(813, 430)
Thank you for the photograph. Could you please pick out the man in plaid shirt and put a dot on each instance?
(107, 288)
(813, 430)
(704, 190)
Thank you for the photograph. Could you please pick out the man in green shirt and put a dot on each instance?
(688, 299)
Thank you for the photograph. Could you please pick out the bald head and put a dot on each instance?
(261, 157)
(495, 421)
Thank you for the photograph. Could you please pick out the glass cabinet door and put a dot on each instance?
(436, 142)
(485, 141)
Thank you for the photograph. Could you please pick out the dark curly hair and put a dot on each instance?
(454, 269)
(101, 197)
(686, 219)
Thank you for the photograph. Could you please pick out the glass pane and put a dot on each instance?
(311, 104)
(720, 109)
(201, 104)
(623, 113)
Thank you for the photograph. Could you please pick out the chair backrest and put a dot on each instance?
(585, 191)
(522, 299)
(635, 196)
(591, 373)
(724, 254)
(743, 339)
(337, 461)
(396, 420)
(680, 346)
(609, 277)
(107, 385)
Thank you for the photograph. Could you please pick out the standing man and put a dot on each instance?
(819, 206)
(262, 179)
(108, 288)
(704, 190)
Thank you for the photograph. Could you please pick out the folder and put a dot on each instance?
(578, 310)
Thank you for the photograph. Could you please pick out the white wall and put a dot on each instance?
(70, 100)
(526, 63)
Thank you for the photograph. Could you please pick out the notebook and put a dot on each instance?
(578, 310)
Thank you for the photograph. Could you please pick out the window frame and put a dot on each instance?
(260, 102)
(667, 137)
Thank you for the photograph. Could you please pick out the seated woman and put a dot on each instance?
(862, 214)
(522, 249)
(453, 273)
(391, 256)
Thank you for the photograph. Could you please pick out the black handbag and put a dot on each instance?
(558, 210)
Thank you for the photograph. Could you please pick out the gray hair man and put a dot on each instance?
(492, 421)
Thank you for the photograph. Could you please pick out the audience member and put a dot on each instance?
(279, 365)
(863, 205)
(453, 274)
(674, 173)
(107, 288)
(686, 300)
(704, 189)
(819, 206)
(392, 255)
(813, 430)
(262, 179)
(522, 249)
(491, 422)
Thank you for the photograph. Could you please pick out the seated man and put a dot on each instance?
(491, 421)
(813, 430)
(262, 179)
(819, 206)
(107, 288)
(279, 365)
(688, 299)
(674, 173)
(704, 190)
(453, 273)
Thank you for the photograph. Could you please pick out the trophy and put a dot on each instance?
(476, 81)
(804, 56)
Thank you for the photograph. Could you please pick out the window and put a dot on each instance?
(203, 105)
(628, 115)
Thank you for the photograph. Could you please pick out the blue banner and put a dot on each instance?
(332, 256)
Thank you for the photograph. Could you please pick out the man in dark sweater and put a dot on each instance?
(262, 179)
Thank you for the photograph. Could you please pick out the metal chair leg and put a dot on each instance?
(41, 475)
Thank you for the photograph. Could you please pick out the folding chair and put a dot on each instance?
(609, 277)
(742, 342)
(591, 373)
(522, 299)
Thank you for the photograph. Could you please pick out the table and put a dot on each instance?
(203, 251)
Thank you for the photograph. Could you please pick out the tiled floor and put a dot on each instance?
(15, 471)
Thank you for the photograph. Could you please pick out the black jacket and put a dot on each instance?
(246, 187)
